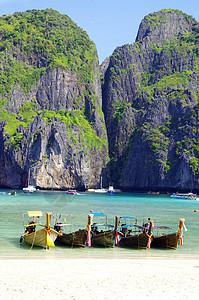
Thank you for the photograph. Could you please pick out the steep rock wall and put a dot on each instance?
(150, 98)
(54, 125)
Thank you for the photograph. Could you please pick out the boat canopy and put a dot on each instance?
(131, 225)
(34, 224)
(67, 224)
(96, 225)
(101, 214)
(129, 218)
(143, 227)
(34, 213)
(161, 227)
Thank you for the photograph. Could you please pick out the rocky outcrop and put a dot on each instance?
(59, 157)
(164, 25)
(150, 97)
(104, 66)
(56, 128)
(51, 120)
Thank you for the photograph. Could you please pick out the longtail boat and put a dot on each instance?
(135, 236)
(44, 237)
(108, 236)
(170, 240)
(76, 238)
(72, 239)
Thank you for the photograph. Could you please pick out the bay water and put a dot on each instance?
(162, 209)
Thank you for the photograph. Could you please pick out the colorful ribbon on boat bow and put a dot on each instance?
(49, 240)
(116, 238)
(149, 240)
(180, 231)
(149, 233)
(88, 230)
(88, 238)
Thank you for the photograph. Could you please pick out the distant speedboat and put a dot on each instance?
(71, 192)
(185, 196)
(110, 190)
(153, 193)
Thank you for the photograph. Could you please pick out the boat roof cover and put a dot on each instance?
(35, 213)
(96, 225)
(128, 218)
(98, 214)
(130, 225)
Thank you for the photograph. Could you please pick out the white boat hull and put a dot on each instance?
(29, 189)
(100, 191)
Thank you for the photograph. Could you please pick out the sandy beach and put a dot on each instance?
(99, 279)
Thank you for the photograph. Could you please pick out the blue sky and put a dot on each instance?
(109, 23)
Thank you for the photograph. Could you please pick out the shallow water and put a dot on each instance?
(162, 209)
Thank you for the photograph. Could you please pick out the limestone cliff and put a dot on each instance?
(52, 109)
(51, 118)
(150, 101)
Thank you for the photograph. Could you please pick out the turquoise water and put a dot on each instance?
(162, 209)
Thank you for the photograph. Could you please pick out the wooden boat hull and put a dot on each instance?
(137, 241)
(104, 239)
(39, 238)
(169, 241)
(73, 239)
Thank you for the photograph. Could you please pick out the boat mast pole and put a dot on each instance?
(149, 233)
(29, 177)
(48, 217)
(88, 238)
(117, 221)
(150, 227)
(49, 240)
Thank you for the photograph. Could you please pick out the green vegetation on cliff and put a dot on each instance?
(28, 112)
(34, 41)
(159, 18)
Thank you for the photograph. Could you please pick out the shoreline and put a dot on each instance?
(134, 190)
(133, 258)
(99, 278)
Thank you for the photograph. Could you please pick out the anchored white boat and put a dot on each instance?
(28, 187)
(110, 190)
(101, 189)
